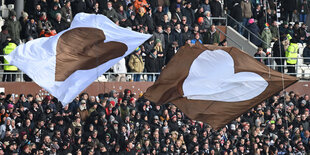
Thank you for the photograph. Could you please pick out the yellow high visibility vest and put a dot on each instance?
(292, 53)
(7, 50)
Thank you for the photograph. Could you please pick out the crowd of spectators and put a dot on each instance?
(173, 24)
(123, 123)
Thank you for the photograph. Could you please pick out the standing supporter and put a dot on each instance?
(158, 15)
(44, 25)
(196, 39)
(206, 6)
(90, 4)
(141, 18)
(159, 35)
(136, 64)
(151, 64)
(189, 13)
(246, 11)
(237, 14)
(216, 10)
(252, 27)
(110, 12)
(66, 13)
(9, 46)
(177, 35)
(78, 6)
(279, 51)
(306, 54)
(260, 53)
(121, 16)
(186, 34)
(24, 19)
(291, 54)
(169, 37)
(178, 13)
(59, 25)
(303, 10)
(200, 13)
(161, 54)
(211, 36)
(266, 37)
(274, 30)
(53, 11)
(140, 4)
(271, 16)
(14, 27)
(31, 29)
(289, 6)
(302, 34)
(202, 25)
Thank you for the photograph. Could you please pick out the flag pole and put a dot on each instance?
(282, 70)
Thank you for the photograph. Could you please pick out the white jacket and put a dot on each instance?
(120, 67)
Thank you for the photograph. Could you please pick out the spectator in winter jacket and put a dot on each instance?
(246, 11)
(274, 30)
(306, 54)
(177, 35)
(252, 27)
(59, 25)
(266, 37)
(206, 6)
(66, 13)
(151, 64)
(159, 34)
(110, 12)
(302, 33)
(279, 51)
(236, 13)
(303, 10)
(216, 10)
(211, 36)
(14, 27)
(136, 64)
(189, 13)
(31, 29)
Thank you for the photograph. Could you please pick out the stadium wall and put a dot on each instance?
(301, 87)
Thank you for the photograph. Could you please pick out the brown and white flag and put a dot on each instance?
(215, 84)
(67, 63)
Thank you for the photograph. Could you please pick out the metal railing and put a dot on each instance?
(302, 71)
(244, 28)
(218, 18)
(241, 47)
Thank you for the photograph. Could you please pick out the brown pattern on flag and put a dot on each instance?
(91, 52)
(168, 87)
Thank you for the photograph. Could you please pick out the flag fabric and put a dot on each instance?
(67, 63)
(215, 84)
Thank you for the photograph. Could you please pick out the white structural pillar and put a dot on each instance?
(19, 7)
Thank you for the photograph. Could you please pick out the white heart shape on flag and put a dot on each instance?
(212, 77)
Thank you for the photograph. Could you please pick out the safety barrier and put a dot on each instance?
(302, 71)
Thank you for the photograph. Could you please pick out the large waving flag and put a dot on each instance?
(67, 63)
(215, 84)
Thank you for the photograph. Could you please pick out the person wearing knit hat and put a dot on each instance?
(266, 36)
(136, 64)
(200, 20)
(251, 21)
(10, 106)
(253, 27)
